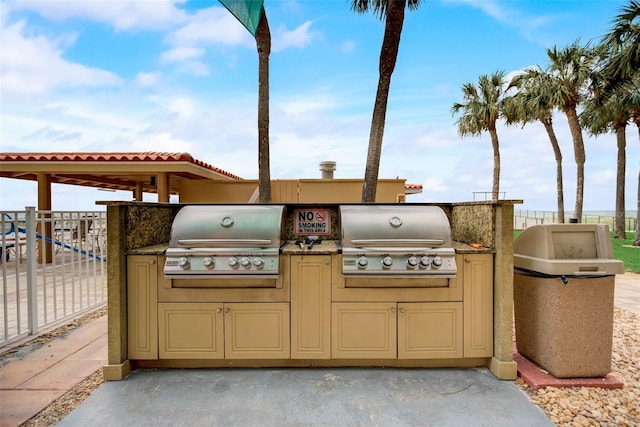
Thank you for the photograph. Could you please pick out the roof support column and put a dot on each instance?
(162, 181)
(137, 192)
(46, 248)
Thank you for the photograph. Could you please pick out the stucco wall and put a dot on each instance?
(288, 191)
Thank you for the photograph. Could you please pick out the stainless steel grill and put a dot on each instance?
(230, 241)
(396, 241)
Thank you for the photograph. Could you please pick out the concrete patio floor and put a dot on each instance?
(282, 397)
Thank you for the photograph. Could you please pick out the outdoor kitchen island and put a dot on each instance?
(313, 311)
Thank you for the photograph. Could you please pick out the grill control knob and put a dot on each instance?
(387, 262)
(437, 261)
(233, 262)
(362, 262)
(209, 262)
(425, 262)
(412, 262)
(184, 262)
(258, 263)
(245, 263)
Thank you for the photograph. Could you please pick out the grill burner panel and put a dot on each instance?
(234, 263)
(414, 262)
(225, 241)
(396, 241)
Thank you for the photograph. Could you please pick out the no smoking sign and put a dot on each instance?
(312, 221)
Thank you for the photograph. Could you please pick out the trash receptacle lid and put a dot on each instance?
(566, 249)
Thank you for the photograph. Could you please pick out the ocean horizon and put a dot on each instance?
(612, 213)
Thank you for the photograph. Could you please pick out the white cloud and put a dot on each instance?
(181, 54)
(211, 26)
(435, 185)
(348, 46)
(299, 37)
(161, 142)
(490, 7)
(305, 105)
(509, 14)
(604, 175)
(184, 107)
(215, 26)
(194, 68)
(121, 14)
(34, 65)
(147, 79)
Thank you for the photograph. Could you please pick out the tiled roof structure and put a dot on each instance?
(112, 157)
(116, 170)
(148, 172)
(413, 188)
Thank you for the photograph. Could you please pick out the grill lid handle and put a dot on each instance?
(397, 242)
(226, 242)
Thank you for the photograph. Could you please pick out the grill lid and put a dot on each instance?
(367, 226)
(226, 226)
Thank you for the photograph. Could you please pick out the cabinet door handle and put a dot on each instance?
(153, 261)
(393, 309)
(226, 310)
(219, 310)
(401, 310)
(467, 260)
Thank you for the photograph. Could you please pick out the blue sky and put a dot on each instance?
(181, 76)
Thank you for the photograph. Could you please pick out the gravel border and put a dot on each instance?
(592, 406)
(574, 406)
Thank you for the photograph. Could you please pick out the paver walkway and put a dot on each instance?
(30, 384)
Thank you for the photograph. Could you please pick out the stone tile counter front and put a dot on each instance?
(311, 314)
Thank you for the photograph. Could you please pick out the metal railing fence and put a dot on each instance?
(524, 218)
(53, 266)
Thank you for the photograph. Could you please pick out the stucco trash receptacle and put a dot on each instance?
(564, 279)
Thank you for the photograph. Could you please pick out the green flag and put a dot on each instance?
(248, 12)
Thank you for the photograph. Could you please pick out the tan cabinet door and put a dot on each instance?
(191, 330)
(311, 307)
(142, 307)
(477, 277)
(257, 331)
(430, 330)
(363, 330)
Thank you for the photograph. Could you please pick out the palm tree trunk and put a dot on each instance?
(369, 187)
(578, 148)
(388, 55)
(263, 41)
(495, 191)
(558, 154)
(620, 176)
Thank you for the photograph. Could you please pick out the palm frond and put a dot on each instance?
(379, 7)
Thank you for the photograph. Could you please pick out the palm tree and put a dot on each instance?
(571, 69)
(534, 102)
(252, 15)
(263, 42)
(633, 95)
(631, 98)
(393, 13)
(623, 65)
(612, 114)
(624, 44)
(481, 109)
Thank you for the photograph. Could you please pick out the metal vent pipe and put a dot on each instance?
(327, 168)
